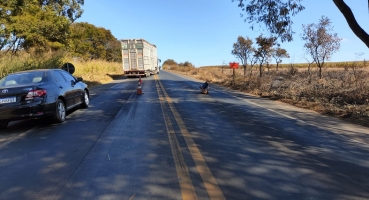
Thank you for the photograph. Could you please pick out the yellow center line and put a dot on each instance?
(210, 182)
(185, 183)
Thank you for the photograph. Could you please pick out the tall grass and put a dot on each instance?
(24, 61)
(97, 72)
(93, 72)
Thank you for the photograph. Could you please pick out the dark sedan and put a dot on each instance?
(40, 93)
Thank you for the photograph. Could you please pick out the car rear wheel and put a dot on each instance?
(3, 125)
(86, 100)
(60, 112)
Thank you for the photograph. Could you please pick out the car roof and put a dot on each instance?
(35, 70)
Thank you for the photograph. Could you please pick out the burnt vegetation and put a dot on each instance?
(341, 92)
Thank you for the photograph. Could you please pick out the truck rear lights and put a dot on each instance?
(35, 93)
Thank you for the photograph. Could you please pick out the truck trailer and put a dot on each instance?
(139, 58)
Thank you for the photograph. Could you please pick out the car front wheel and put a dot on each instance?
(86, 100)
(60, 111)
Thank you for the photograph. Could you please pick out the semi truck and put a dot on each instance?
(139, 58)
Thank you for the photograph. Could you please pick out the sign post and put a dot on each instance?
(69, 67)
(233, 65)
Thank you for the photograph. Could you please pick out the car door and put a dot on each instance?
(65, 88)
(75, 89)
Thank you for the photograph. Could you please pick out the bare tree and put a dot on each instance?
(223, 65)
(320, 44)
(309, 62)
(264, 50)
(253, 60)
(278, 53)
(243, 50)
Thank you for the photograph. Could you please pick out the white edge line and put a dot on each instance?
(298, 120)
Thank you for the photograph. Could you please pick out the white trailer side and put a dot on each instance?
(139, 58)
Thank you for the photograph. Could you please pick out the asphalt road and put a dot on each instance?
(174, 143)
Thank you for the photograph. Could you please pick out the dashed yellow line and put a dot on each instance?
(210, 183)
(185, 183)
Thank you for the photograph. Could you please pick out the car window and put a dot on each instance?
(58, 77)
(68, 77)
(3, 81)
(37, 77)
(23, 78)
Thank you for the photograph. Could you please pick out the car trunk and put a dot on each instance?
(14, 94)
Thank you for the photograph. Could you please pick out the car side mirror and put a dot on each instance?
(79, 79)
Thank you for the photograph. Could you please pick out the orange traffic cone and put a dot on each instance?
(139, 80)
(139, 89)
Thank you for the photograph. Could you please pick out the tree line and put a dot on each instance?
(320, 44)
(244, 50)
(40, 26)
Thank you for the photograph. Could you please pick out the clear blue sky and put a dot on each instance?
(203, 31)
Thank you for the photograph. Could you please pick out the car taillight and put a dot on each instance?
(35, 93)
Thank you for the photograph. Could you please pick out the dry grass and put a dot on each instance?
(96, 72)
(342, 92)
(24, 61)
(93, 72)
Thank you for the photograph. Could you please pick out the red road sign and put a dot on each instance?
(233, 65)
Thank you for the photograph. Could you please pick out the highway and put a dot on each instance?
(174, 143)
